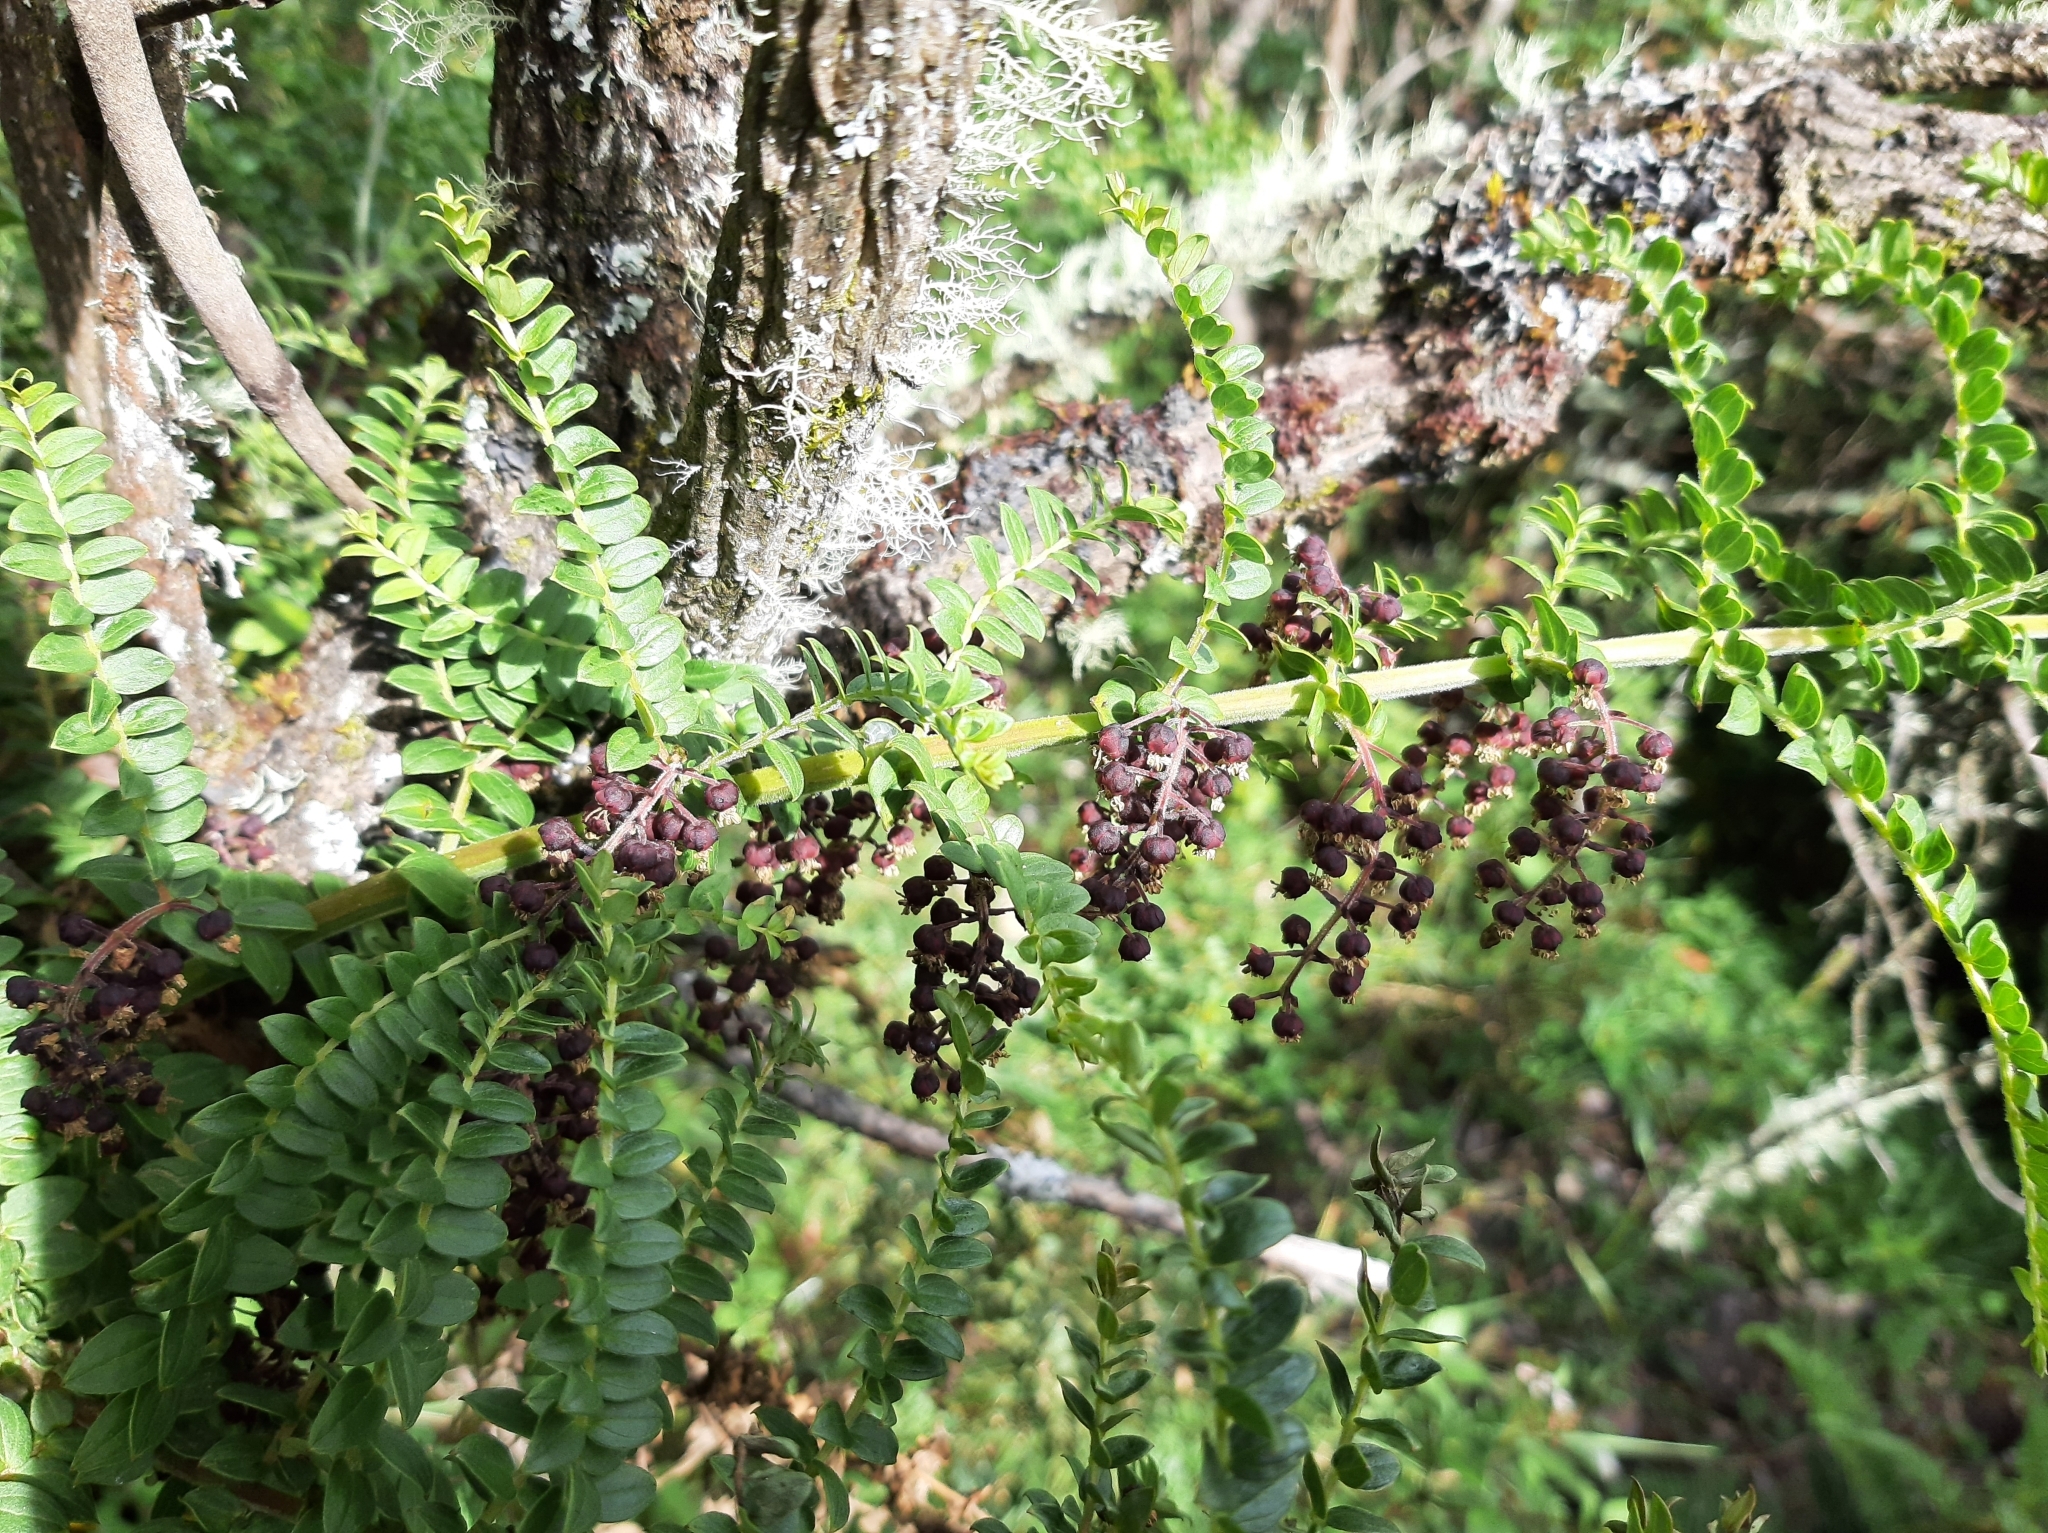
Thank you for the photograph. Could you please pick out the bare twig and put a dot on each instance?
(1912, 972)
(1325, 1268)
(112, 50)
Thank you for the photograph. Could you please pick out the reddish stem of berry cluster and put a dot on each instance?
(1163, 786)
(1298, 613)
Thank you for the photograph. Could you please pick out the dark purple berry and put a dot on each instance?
(1243, 1008)
(1147, 917)
(1546, 940)
(721, 796)
(896, 1036)
(1158, 850)
(1625, 775)
(1294, 931)
(539, 957)
(1258, 963)
(924, 1083)
(1288, 1026)
(1655, 745)
(1332, 861)
(1590, 673)
(23, 991)
(558, 835)
(214, 925)
(1135, 948)
(1294, 882)
(1523, 842)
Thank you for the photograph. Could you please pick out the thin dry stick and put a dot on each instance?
(112, 49)
(1912, 971)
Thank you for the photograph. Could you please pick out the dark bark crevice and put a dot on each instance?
(847, 135)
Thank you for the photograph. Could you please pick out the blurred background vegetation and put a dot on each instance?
(1837, 1326)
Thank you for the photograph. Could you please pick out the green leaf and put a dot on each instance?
(1449, 1248)
(64, 652)
(1801, 698)
(120, 1357)
(1980, 396)
(442, 882)
(1244, 1229)
(1404, 1370)
(1868, 774)
(1745, 714)
(1410, 1280)
(16, 1445)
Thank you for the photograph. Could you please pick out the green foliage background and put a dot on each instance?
(1850, 1343)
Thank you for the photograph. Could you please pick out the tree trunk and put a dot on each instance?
(612, 136)
(850, 121)
(1475, 354)
(108, 327)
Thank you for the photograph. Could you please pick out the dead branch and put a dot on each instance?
(111, 47)
(1325, 1268)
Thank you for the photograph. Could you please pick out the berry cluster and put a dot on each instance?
(85, 1032)
(958, 938)
(1163, 785)
(806, 868)
(1298, 614)
(722, 997)
(1368, 849)
(658, 832)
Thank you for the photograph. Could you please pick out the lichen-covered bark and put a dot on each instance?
(612, 136)
(1474, 354)
(851, 114)
(106, 303)
(104, 292)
